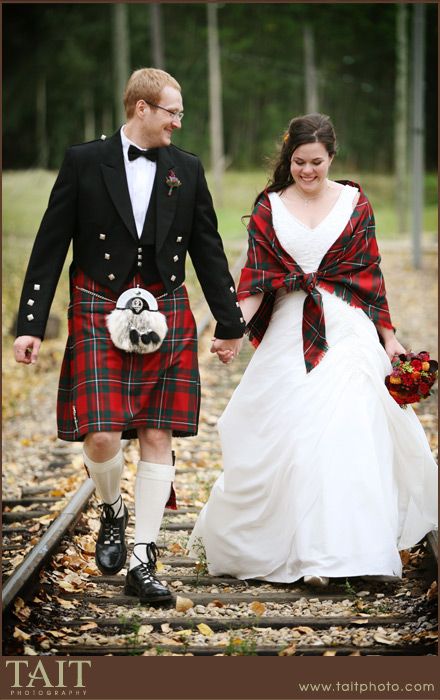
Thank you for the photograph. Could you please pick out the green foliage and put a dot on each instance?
(262, 71)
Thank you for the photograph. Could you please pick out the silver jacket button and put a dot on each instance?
(111, 276)
(36, 287)
(102, 236)
(172, 278)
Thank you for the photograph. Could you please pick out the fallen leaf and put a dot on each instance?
(355, 653)
(431, 593)
(88, 626)
(329, 653)
(21, 610)
(19, 634)
(55, 633)
(288, 651)
(95, 608)
(145, 630)
(216, 604)
(205, 630)
(67, 604)
(183, 633)
(258, 608)
(176, 548)
(66, 586)
(166, 627)
(29, 651)
(183, 604)
(405, 556)
(381, 639)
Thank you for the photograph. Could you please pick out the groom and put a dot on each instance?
(133, 205)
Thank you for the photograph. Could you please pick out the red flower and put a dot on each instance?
(407, 379)
(416, 364)
(424, 388)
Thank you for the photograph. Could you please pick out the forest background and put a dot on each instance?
(61, 75)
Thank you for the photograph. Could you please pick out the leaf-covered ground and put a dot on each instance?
(60, 616)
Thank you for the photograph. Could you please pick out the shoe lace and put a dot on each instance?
(148, 568)
(108, 520)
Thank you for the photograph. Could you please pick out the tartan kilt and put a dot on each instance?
(103, 388)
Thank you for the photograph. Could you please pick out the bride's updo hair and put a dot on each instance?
(309, 128)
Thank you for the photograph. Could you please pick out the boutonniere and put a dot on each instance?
(172, 182)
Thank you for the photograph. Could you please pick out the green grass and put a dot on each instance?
(241, 188)
(26, 193)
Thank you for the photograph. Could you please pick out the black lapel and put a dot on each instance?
(113, 171)
(166, 204)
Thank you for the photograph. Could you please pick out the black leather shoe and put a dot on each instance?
(111, 550)
(141, 581)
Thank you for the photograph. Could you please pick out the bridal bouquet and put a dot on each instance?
(412, 377)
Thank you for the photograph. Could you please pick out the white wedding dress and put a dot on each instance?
(323, 472)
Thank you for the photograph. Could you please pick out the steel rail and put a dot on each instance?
(36, 558)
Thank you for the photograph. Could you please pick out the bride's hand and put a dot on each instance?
(393, 347)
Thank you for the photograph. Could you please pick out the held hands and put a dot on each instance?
(226, 349)
(26, 349)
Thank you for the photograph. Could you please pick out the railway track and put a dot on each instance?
(56, 603)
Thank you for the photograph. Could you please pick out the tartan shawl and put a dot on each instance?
(350, 269)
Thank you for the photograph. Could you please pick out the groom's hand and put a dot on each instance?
(226, 349)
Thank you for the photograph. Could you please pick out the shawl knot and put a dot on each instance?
(308, 282)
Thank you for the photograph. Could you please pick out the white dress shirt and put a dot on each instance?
(140, 178)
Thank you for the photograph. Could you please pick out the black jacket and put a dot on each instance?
(90, 205)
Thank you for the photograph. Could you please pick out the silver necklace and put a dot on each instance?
(310, 199)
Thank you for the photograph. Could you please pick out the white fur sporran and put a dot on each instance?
(136, 324)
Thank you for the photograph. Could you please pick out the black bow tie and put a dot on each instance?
(134, 153)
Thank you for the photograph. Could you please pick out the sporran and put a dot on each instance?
(136, 324)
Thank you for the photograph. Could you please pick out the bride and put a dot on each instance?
(324, 474)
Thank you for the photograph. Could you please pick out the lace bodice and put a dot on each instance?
(309, 245)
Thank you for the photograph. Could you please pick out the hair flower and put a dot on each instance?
(172, 181)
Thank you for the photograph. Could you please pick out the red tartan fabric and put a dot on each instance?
(350, 269)
(103, 388)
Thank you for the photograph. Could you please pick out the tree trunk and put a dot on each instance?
(121, 60)
(106, 120)
(401, 120)
(41, 130)
(417, 129)
(157, 35)
(89, 115)
(310, 72)
(215, 102)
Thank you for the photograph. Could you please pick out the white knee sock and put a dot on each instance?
(107, 479)
(151, 493)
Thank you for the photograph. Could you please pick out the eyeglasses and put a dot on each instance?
(178, 115)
